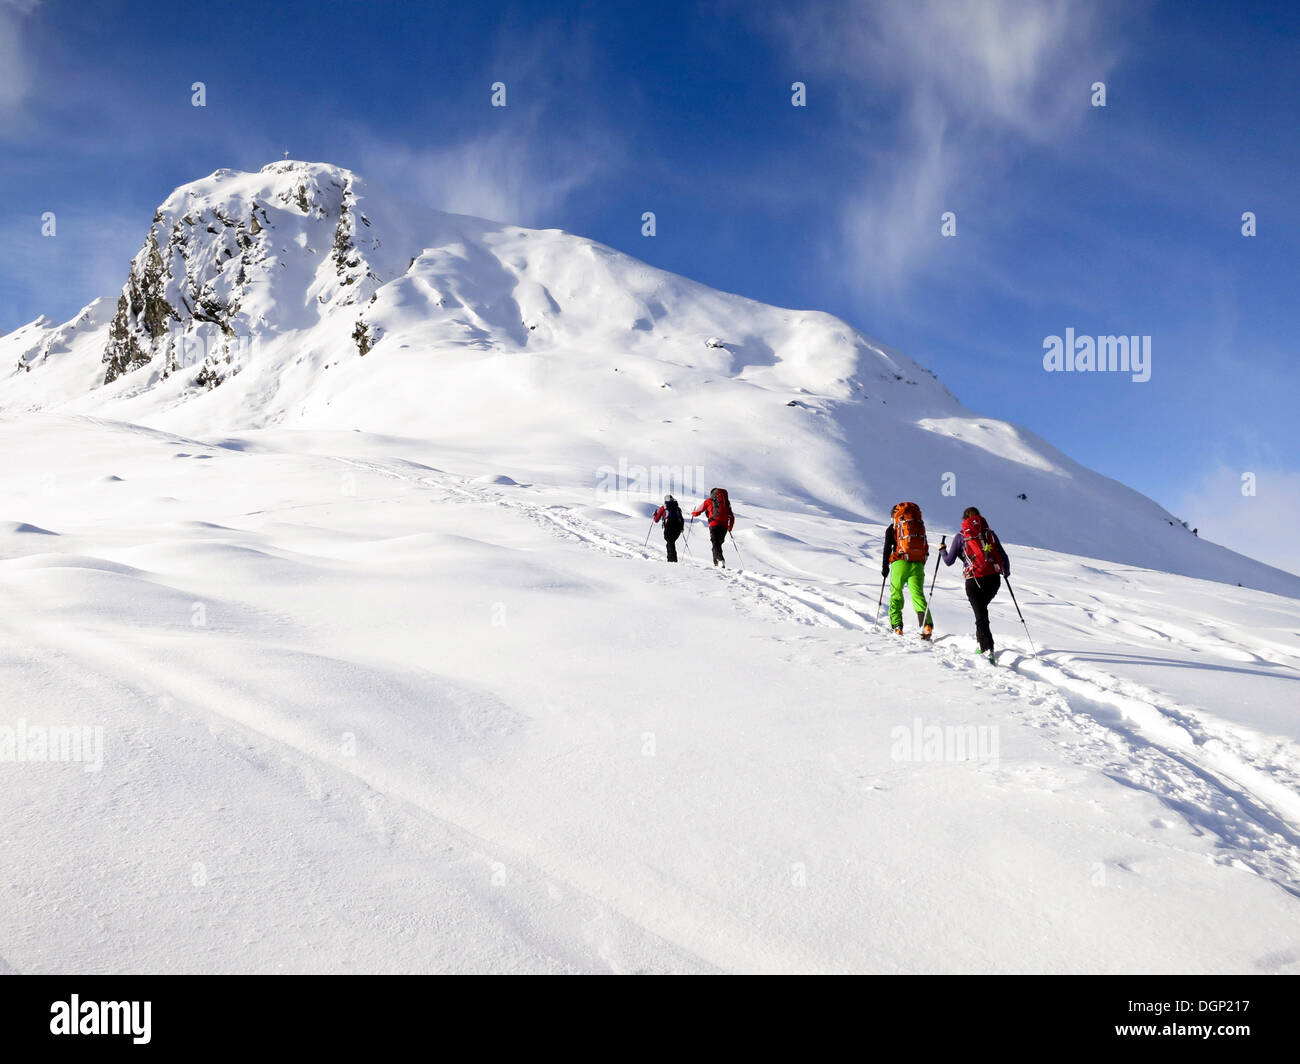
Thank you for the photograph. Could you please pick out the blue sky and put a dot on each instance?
(1124, 219)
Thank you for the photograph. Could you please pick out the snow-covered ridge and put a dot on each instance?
(301, 297)
(38, 340)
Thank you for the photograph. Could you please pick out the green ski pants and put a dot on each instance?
(913, 575)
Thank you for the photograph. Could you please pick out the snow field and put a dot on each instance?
(371, 706)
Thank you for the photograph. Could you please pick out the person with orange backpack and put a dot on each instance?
(906, 551)
(985, 563)
(717, 507)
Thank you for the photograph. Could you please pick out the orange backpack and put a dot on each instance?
(909, 534)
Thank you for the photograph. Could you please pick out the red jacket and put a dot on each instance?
(715, 519)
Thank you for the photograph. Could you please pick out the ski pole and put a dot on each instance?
(882, 598)
(648, 531)
(943, 542)
(737, 546)
(1020, 615)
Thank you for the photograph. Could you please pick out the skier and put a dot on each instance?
(906, 551)
(671, 515)
(717, 507)
(984, 562)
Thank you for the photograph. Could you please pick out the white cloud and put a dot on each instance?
(990, 60)
(964, 86)
(1262, 525)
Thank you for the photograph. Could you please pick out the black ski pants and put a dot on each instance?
(981, 592)
(717, 533)
(671, 532)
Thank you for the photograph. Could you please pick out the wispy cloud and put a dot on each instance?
(941, 96)
(519, 163)
(89, 257)
(15, 73)
(514, 174)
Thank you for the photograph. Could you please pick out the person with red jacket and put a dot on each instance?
(717, 507)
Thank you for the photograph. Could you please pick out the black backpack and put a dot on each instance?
(673, 518)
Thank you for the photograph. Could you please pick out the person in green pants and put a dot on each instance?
(906, 551)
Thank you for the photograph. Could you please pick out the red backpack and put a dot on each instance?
(721, 507)
(909, 534)
(983, 558)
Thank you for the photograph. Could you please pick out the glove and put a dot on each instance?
(884, 570)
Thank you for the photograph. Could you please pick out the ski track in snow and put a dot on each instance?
(1202, 769)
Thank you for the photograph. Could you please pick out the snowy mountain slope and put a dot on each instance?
(364, 709)
(300, 297)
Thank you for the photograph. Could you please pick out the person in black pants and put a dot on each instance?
(981, 591)
(717, 508)
(671, 515)
(984, 563)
